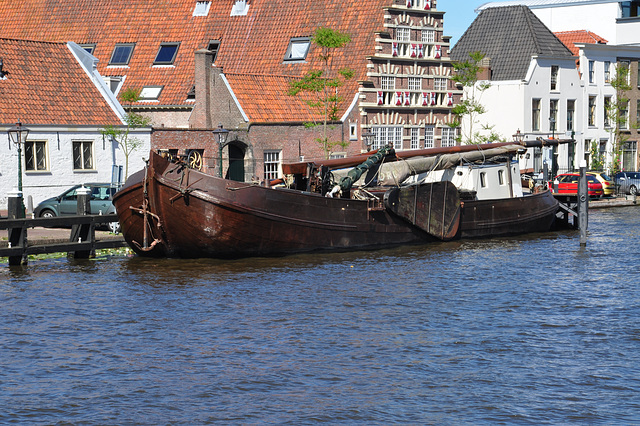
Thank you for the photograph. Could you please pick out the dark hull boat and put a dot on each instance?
(170, 210)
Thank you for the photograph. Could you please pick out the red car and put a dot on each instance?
(568, 184)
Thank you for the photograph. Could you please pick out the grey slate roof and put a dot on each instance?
(509, 36)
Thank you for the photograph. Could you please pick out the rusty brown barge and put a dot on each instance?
(171, 210)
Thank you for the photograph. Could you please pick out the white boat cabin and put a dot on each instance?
(480, 182)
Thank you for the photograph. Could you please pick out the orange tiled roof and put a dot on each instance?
(570, 38)
(252, 45)
(45, 84)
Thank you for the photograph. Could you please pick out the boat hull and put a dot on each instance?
(172, 211)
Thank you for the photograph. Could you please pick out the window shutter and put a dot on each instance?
(420, 51)
(438, 52)
(380, 97)
(427, 4)
(407, 98)
(425, 98)
(449, 99)
(414, 50)
(394, 48)
(398, 98)
(409, 3)
(433, 98)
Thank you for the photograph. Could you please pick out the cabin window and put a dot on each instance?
(35, 156)
(592, 65)
(501, 177)
(483, 180)
(607, 72)
(83, 155)
(271, 165)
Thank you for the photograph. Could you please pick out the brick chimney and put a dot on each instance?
(485, 69)
(201, 115)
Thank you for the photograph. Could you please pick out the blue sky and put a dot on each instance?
(459, 15)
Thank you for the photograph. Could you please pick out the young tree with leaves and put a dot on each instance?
(617, 112)
(466, 73)
(323, 85)
(133, 120)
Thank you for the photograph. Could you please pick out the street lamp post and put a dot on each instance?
(367, 138)
(221, 133)
(18, 136)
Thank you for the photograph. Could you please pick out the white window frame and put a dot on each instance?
(150, 93)
(387, 135)
(415, 83)
(298, 49)
(440, 84)
(403, 34)
(83, 157)
(201, 8)
(38, 161)
(415, 138)
(555, 71)
(448, 137)
(272, 164)
(428, 36)
(429, 139)
(388, 82)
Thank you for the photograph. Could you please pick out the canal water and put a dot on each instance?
(527, 330)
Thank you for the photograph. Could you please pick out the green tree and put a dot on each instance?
(468, 110)
(617, 113)
(597, 158)
(133, 120)
(322, 86)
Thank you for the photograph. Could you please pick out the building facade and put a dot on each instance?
(202, 64)
(64, 106)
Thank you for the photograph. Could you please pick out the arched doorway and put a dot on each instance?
(236, 163)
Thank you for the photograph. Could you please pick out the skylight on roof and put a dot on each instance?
(298, 49)
(121, 54)
(240, 8)
(150, 93)
(202, 8)
(166, 54)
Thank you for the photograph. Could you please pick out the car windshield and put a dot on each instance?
(605, 176)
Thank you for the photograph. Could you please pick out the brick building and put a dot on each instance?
(200, 64)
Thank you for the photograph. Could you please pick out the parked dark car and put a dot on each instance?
(627, 182)
(67, 203)
(568, 184)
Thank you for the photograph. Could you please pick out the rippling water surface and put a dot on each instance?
(526, 330)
